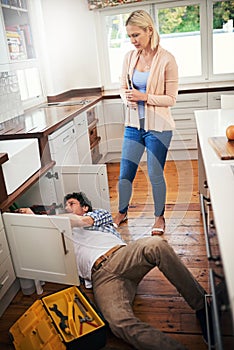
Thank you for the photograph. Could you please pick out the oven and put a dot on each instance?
(218, 298)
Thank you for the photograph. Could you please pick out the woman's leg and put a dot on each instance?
(157, 144)
(132, 150)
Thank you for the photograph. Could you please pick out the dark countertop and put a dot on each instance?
(3, 158)
(43, 120)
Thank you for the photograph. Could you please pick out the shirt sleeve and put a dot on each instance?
(100, 217)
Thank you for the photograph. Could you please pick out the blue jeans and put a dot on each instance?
(134, 143)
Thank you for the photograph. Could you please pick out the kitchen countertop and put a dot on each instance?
(220, 178)
(43, 120)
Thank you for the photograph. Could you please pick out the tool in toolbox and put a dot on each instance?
(63, 319)
(58, 322)
(85, 318)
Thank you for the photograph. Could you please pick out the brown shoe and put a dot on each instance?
(119, 219)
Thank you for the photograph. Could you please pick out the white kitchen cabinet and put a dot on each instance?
(184, 141)
(101, 130)
(17, 30)
(82, 139)
(114, 116)
(42, 247)
(63, 145)
(214, 98)
(7, 273)
(51, 188)
(4, 58)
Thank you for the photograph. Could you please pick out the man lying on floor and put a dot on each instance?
(114, 269)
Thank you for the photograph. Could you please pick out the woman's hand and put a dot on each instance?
(135, 95)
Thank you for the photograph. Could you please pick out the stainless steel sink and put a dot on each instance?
(66, 103)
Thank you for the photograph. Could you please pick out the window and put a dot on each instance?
(203, 48)
(223, 37)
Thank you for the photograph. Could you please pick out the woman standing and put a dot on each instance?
(149, 86)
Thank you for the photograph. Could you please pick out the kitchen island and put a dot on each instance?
(220, 180)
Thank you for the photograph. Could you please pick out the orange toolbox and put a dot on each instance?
(60, 321)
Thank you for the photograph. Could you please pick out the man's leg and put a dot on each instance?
(114, 297)
(115, 285)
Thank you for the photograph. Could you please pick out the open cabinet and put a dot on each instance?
(55, 184)
(42, 247)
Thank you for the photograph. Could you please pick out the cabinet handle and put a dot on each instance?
(66, 251)
(215, 313)
(4, 281)
(66, 138)
(182, 119)
(207, 241)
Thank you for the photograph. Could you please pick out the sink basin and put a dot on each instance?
(24, 161)
(66, 103)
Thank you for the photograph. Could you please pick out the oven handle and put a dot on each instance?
(215, 313)
(208, 325)
(205, 225)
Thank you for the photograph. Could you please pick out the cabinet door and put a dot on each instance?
(114, 122)
(82, 139)
(51, 188)
(90, 179)
(42, 247)
(4, 59)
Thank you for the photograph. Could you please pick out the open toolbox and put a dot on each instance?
(63, 320)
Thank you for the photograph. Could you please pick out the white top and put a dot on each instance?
(89, 246)
(220, 179)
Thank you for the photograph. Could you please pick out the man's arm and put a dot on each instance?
(78, 220)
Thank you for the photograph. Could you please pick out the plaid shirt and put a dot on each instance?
(103, 221)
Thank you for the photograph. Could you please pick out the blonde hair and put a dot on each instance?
(143, 20)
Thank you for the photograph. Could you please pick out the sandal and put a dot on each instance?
(158, 231)
(125, 218)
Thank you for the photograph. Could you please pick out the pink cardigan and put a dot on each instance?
(162, 89)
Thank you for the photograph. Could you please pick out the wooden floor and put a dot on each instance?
(157, 301)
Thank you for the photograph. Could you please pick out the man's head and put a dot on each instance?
(77, 203)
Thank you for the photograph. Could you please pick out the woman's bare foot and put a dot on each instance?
(119, 219)
(159, 226)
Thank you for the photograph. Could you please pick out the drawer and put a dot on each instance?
(93, 135)
(191, 100)
(184, 119)
(80, 122)
(4, 250)
(7, 276)
(214, 98)
(62, 137)
(91, 115)
(183, 141)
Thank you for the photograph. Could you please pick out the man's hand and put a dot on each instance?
(25, 211)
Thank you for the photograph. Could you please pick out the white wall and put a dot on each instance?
(68, 45)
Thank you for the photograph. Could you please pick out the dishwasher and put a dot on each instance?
(63, 146)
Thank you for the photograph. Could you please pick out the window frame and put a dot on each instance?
(206, 35)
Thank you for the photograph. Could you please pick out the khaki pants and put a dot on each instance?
(115, 284)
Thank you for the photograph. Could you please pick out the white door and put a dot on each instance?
(82, 139)
(41, 247)
(89, 178)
